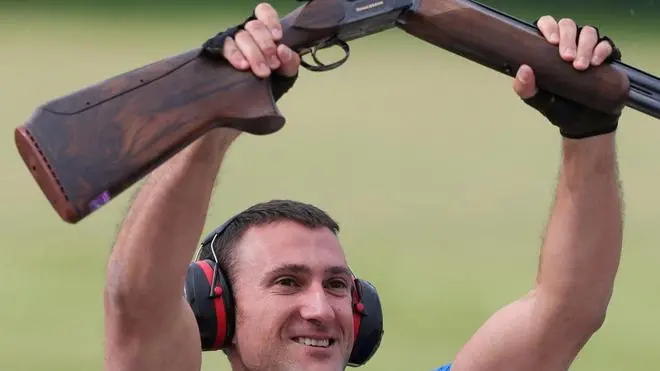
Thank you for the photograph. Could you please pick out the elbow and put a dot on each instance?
(126, 305)
(121, 293)
(589, 310)
(115, 299)
(115, 293)
(129, 294)
(582, 325)
(588, 322)
(580, 319)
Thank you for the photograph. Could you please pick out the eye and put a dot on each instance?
(337, 284)
(286, 281)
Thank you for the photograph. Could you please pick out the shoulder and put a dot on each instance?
(446, 367)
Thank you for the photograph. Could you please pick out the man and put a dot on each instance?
(289, 273)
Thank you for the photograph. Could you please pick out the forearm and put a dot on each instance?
(582, 247)
(160, 233)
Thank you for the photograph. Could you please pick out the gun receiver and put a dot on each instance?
(322, 24)
(85, 148)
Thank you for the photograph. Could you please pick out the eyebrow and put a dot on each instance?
(300, 268)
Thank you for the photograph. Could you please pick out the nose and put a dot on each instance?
(316, 306)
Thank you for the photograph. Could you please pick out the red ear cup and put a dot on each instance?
(358, 310)
(367, 324)
(210, 297)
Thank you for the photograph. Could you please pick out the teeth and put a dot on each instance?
(314, 342)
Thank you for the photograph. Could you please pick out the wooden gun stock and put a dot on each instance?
(87, 147)
(502, 43)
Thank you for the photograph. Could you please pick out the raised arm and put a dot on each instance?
(545, 330)
(148, 324)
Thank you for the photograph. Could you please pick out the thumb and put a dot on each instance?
(525, 82)
(290, 61)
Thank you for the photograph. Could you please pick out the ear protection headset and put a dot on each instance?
(208, 291)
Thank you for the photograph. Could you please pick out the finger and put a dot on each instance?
(268, 15)
(264, 40)
(549, 28)
(233, 55)
(585, 49)
(290, 61)
(567, 37)
(601, 52)
(525, 82)
(252, 53)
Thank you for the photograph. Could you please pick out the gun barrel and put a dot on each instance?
(644, 93)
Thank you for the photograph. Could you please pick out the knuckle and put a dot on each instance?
(254, 25)
(229, 45)
(246, 45)
(242, 37)
(235, 53)
(269, 48)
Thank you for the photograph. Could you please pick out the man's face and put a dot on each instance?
(293, 296)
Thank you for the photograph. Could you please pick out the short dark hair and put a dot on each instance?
(263, 213)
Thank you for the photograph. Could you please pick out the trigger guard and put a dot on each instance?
(320, 66)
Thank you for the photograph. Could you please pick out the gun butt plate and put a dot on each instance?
(43, 174)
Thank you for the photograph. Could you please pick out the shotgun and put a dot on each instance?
(87, 147)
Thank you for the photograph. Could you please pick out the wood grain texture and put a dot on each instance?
(98, 141)
(85, 148)
(465, 29)
(304, 27)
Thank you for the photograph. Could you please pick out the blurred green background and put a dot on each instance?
(440, 177)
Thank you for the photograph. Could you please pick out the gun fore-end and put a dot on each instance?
(502, 43)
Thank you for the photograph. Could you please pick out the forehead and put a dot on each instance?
(285, 242)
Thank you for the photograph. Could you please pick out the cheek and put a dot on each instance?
(259, 322)
(345, 313)
(250, 337)
(251, 320)
(256, 336)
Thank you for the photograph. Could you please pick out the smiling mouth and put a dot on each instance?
(317, 343)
